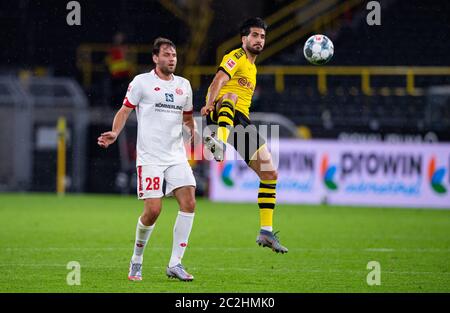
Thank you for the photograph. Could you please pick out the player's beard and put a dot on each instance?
(167, 70)
(254, 51)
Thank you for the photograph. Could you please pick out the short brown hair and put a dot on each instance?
(256, 22)
(159, 42)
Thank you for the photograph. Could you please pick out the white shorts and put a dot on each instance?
(150, 179)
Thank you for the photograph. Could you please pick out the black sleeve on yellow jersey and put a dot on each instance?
(223, 70)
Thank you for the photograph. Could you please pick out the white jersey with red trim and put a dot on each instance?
(160, 106)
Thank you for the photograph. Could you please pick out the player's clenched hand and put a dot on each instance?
(206, 109)
(106, 139)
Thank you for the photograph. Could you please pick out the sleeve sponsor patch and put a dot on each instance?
(230, 64)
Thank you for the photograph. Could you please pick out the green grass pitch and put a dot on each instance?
(329, 247)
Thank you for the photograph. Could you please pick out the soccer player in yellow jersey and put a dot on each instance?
(227, 105)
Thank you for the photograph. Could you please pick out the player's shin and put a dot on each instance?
(181, 232)
(143, 233)
(266, 203)
(225, 119)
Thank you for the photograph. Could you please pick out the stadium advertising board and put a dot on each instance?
(372, 174)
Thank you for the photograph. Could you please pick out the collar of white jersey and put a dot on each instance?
(153, 72)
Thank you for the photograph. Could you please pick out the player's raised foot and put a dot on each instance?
(269, 239)
(179, 272)
(135, 272)
(216, 147)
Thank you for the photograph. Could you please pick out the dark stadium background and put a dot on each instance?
(381, 106)
(37, 42)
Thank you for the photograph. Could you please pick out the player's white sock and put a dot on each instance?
(142, 235)
(268, 228)
(181, 231)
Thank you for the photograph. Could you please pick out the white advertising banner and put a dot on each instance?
(368, 174)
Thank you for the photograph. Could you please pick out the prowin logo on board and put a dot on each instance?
(382, 173)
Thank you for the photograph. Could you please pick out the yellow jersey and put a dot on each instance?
(242, 81)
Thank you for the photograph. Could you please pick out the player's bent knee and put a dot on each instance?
(188, 205)
(233, 97)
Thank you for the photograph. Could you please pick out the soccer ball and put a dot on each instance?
(318, 49)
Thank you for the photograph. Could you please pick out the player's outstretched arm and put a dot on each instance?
(218, 82)
(108, 138)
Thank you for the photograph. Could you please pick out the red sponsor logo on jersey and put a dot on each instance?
(129, 88)
(230, 64)
(179, 91)
(244, 83)
(157, 89)
(183, 244)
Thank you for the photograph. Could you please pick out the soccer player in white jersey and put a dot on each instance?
(163, 103)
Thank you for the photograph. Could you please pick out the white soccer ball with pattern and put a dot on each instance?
(318, 49)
